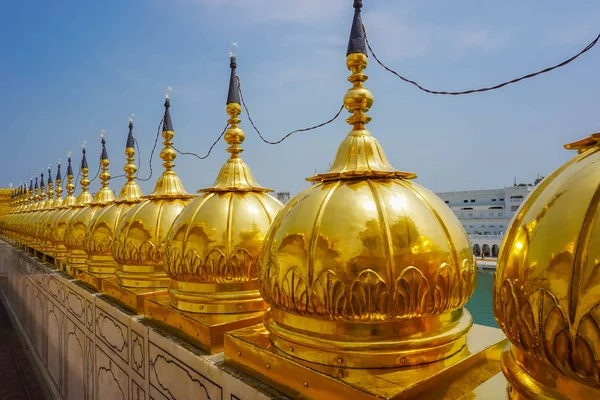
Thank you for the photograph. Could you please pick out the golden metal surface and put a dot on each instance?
(251, 351)
(59, 221)
(204, 330)
(214, 245)
(547, 286)
(131, 298)
(46, 221)
(74, 232)
(141, 234)
(101, 230)
(81, 221)
(365, 266)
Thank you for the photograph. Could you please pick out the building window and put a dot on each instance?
(482, 214)
(514, 208)
(501, 226)
(493, 199)
(491, 214)
(470, 226)
(472, 200)
(446, 201)
(462, 215)
(483, 226)
(492, 226)
(470, 215)
(501, 199)
(500, 214)
(518, 196)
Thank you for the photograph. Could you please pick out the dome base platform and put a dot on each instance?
(130, 298)
(204, 330)
(94, 279)
(474, 372)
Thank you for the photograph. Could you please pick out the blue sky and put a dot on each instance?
(71, 68)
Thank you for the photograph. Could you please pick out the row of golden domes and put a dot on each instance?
(365, 263)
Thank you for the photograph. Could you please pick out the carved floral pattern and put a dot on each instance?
(216, 267)
(537, 324)
(369, 296)
(128, 252)
(98, 245)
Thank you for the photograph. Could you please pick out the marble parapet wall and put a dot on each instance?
(86, 347)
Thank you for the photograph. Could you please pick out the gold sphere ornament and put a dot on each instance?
(366, 266)
(547, 286)
(214, 245)
(142, 232)
(101, 230)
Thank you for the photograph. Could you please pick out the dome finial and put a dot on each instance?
(105, 195)
(356, 42)
(130, 192)
(84, 197)
(235, 175)
(59, 189)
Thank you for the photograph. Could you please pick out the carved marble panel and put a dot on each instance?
(54, 288)
(113, 333)
(89, 369)
(137, 393)
(39, 324)
(75, 304)
(176, 380)
(112, 381)
(75, 356)
(55, 331)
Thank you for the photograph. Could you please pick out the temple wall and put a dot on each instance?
(86, 347)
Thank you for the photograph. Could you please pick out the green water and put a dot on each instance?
(480, 304)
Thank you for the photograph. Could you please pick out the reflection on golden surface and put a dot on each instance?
(142, 231)
(547, 288)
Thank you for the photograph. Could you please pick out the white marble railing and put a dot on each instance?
(87, 348)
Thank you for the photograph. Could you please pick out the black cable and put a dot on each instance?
(289, 134)
(484, 89)
(151, 154)
(209, 150)
(118, 176)
(97, 172)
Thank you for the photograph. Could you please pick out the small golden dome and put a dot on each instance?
(547, 286)
(142, 232)
(75, 229)
(100, 232)
(214, 245)
(58, 225)
(366, 269)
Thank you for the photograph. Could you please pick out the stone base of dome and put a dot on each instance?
(216, 298)
(94, 279)
(204, 330)
(385, 344)
(101, 264)
(473, 372)
(530, 379)
(130, 298)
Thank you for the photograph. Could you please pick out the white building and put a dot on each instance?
(486, 214)
(283, 197)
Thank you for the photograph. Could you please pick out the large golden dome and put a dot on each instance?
(214, 245)
(142, 232)
(100, 232)
(366, 269)
(547, 287)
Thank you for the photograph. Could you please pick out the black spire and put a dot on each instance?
(36, 187)
(42, 179)
(49, 176)
(104, 155)
(356, 43)
(58, 176)
(167, 124)
(234, 95)
(84, 163)
(130, 142)
(69, 169)
(31, 185)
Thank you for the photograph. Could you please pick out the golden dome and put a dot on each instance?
(142, 232)
(74, 232)
(547, 286)
(81, 220)
(100, 232)
(50, 206)
(215, 243)
(366, 269)
(61, 218)
(47, 221)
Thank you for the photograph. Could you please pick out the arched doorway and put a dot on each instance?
(486, 250)
(495, 250)
(476, 249)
